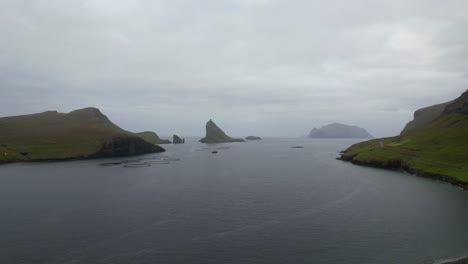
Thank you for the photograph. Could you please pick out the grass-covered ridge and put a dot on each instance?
(437, 148)
(84, 133)
(152, 137)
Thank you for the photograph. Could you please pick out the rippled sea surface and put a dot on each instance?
(253, 202)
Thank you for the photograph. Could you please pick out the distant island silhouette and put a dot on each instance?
(337, 130)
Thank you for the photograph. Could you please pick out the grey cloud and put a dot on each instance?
(268, 67)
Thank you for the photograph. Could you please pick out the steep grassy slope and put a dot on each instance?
(214, 134)
(84, 133)
(425, 115)
(438, 148)
(152, 138)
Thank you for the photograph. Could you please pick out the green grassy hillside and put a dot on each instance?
(84, 133)
(438, 148)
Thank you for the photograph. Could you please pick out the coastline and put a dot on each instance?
(462, 260)
(91, 157)
(402, 167)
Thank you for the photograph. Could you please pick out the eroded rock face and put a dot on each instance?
(459, 106)
(214, 134)
(339, 131)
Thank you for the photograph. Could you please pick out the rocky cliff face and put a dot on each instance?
(459, 106)
(126, 146)
(339, 131)
(424, 116)
(214, 134)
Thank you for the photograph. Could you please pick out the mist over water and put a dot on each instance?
(253, 202)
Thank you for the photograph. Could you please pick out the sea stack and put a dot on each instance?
(177, 140)
(214, 134)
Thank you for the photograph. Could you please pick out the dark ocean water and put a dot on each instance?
(254, 202)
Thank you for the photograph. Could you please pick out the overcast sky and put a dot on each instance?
(256, 67)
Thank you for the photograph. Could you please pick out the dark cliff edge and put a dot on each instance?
(128, 146)
(459, 106)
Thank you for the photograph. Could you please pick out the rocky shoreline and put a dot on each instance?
(463, 260)
(121, 147)
(403, 167)
(94, 157)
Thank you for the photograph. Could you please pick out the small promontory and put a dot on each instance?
(152, 138)
(214, 134)
(81, 134)
(253, 138)
(337, 130)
